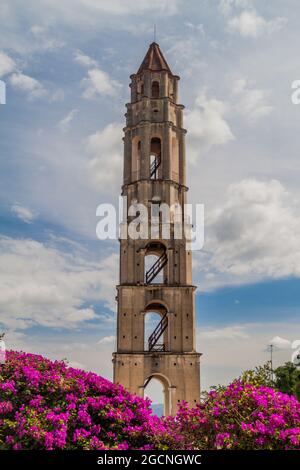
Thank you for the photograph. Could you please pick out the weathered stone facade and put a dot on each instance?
(155, 172)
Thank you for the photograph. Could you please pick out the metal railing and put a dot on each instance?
(157, 333)
(156, 268)
(154, 167)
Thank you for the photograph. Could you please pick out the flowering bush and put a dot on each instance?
(47, 405)
(242, 416)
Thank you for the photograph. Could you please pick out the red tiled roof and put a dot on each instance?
(154, 60)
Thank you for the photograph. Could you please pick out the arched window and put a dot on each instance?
(159, 393)
(155, 263)
(152, 319)
(155, 392)
(155, 157)
(156, 332)
(155, 90)
(155, 145)
(151, 263)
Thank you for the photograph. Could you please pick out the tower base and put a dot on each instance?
(179, 374)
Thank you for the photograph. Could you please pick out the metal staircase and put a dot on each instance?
(153, 344)
(156, 268)
(154, 167)
(147, 381)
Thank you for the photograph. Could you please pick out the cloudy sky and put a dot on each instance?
(66, 65)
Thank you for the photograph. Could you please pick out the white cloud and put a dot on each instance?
(57, 96)
(207, 125)
(27, 84)
(107, 339)
(280, 343)
(40, 284)
(98, 83)
(84, 59)
(195, 27)
(23, 213)
(250, 24)
(228, 332)
(227, 6)
(7, 64)
(254, 234)
(65, 122)
(186, 56)
(252, 102)
(105, 149)
(121, 7)
(44, 39)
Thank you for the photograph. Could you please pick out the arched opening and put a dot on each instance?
(156, 334)
(155, 263)
(155, 89)
(153, 260)
(155, 157)
(152, 319)
(159, 393)
(155, 392)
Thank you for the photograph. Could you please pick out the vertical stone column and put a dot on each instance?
(170, 266)
(164, 85)
(175, 88)
(182, 162)
(127, 157)
(166, 110)
(147, 84)
(166, 157)
(145, 151)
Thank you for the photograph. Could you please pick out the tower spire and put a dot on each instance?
(154, 60)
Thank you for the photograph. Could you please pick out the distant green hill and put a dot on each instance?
(158, 409)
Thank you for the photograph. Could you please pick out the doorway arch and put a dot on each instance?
(166, 389)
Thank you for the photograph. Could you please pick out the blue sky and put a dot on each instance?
(66, 66)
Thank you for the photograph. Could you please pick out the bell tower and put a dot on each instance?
(156, 271)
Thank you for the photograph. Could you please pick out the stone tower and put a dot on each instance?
(156, 273)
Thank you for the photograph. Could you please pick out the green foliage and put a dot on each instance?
(259, 376)
(297, 390)
(287, 379)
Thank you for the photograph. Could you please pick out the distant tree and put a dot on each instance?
(297, 390)
(259, 376)
(287, 379)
